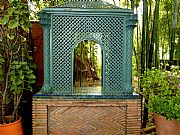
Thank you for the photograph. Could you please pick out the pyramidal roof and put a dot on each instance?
(93, 4)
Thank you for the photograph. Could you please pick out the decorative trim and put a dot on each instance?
(130, 25)
(45, 20)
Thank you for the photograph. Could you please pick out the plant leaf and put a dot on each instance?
(1, 78)
(30, 57)
(4, 20)
(33, 66)
(24, 27)
(15, 63)
(31, 81)
(10, 11)
(29, 88)
(10, 1)
(20, 72)
(13, 77)
(10, 36)
(18, 81)
(13, 24)
(21, 77)
(23, 39)
(2, 60)
(1, 70)
(29, 72)
(32, 76)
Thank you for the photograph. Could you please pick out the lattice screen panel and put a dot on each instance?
(65, 28)
(74, 21)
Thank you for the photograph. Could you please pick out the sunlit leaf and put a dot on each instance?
(4, 20)
(18, 81)
(13, 24)
(22, 22)
(24, 27)
(33, 66)
(12, 78)
(30, 57)
(10, 1)
(29, 71)
(24, 63)
(10, 36)
(32, 76)
(15, 62)
(20, 72)
(21, 77)
(23, 39)
(10, 11)
(31, 81)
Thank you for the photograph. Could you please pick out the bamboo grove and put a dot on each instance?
(157, 37)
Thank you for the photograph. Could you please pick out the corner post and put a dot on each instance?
(130, 25)
(45, 20)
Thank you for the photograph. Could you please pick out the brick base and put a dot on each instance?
(86, 116)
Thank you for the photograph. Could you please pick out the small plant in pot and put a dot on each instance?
(162, 89)
(16, 66)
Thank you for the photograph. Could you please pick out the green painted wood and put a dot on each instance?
(68, 24)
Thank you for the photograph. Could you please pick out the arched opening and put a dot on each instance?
(87, 68)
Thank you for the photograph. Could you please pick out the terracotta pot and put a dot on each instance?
(14, 128)
(166, 127)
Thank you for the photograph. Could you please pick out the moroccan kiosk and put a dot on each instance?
(111, 108)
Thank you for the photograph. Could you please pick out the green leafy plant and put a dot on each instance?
(162, 89)
(16, 66)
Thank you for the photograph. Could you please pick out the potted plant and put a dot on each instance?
(16, 74)
(162, 89)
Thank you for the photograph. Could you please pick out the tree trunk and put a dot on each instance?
(154, 38)
(145, 8)
(174, 22)
(84, 66)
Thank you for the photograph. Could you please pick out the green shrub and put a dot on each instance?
(162, 89)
